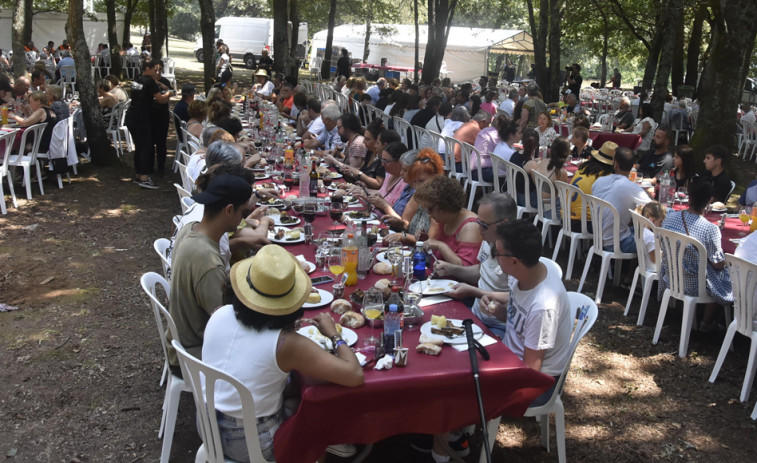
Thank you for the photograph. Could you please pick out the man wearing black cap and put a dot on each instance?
(197, 269)
(187, 97)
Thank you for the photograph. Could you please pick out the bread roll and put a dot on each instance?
(352, 320)
(426, 339)
(314, 298)
(341, 306)
(428, 349)
(382, 268)
(384, 285)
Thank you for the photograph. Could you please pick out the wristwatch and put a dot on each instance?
(336, 338)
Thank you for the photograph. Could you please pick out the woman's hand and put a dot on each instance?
(432, 245)
(378, 202)
(395, 223)
(325, 324)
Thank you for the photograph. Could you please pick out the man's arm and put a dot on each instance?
(534, 358)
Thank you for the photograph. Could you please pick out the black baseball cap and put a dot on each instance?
(225, 187)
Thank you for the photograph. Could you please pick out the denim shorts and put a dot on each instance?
(233, 440)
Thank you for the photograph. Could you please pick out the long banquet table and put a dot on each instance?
(430, 395)
(598, 137)
(733, 228)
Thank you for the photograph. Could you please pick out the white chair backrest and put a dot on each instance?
(552, 265)
(186, 203)
(545, 185)
(744, 283)
(497, 165)
(449, 150)
(602, 212)
(150, 282)
(568, 194)
(34, 131)
(679, 253)
(185, 180)
(163, 247)
(422, 137)
(639, 224)
(203, 380)
(7, 138)
(513, 173)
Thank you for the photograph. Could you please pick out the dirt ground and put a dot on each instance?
(81, 358)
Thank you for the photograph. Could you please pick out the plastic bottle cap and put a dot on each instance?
(392, 307)
(395, 289)
(350, 235)
(419, 244)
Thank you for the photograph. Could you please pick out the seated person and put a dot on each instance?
(599, 165)
(749, 197)
(198, 113)
(656, 213)
(106, 99)
(580, 141)
(525, 159)
(390, 193)
(538, 314)
(714, 161)
(658, 159)
(486, 276)
(458, 238)
(266, 299)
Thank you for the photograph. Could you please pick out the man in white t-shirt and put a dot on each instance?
(537, 310)
(315, 127)
(376, 90)
(487, 276)
(508, 106)
(622, 193)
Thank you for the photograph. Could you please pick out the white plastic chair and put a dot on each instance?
(162, 246)
(27, 159)
(513, 172)
(422, 137)
(647, 271)
(440, 146)
(67, 79)
(7, 138)
(598, 209)
(744, 282)
(182, 193)
(199, 374)
(62, 147)
(545, 204)
(585, 311)
(169, 72)
(498, 165)
(124, 133)
(186, 182)
(675, 247)
(113, 128)
(174, 385)
(567, 194)
(186, 203)
(467, 151)
(449, 152)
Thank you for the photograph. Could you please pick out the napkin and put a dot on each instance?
(485, 340)
(301, 258)
(431, 300)
(384, 363)
(361, 358)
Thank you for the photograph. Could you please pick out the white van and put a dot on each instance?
(246, 38)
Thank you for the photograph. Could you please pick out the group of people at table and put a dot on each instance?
(495, 257)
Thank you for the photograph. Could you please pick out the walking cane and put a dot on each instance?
(474, 346)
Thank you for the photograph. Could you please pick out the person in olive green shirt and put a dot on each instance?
(197, 268)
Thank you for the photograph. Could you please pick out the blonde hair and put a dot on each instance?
(39, 96)
(653, 210)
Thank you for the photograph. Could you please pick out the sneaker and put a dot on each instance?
(460, 446)
(342, 450)
(148, 184)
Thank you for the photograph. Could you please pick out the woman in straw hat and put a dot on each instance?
(253, 339)
(598, 165)
(263, 86)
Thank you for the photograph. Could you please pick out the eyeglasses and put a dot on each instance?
(339, 126)
(386, 161)
(485, 226)
(426, 161)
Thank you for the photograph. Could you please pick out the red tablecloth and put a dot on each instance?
(733, 228)
(629, 140)
(431, 395)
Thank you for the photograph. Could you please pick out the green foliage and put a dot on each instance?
(491, 14)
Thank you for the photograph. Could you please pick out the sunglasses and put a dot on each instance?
(426, 161)
(485, 226)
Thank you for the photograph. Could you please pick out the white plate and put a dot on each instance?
(570, 174)
(312, 333)
(646, 185)
(724, 209)
(310, 266)
(351, 202)
(336, 175)
(381, 257)
(477, 332)
(259, 177)
(278, 203)
(332, 187)
(433, 287)
(326, 298)
(277, 221)
(348, 214)
(271, 235)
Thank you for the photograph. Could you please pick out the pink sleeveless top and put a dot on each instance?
(468, 252)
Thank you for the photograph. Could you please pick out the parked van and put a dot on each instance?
(246, 38)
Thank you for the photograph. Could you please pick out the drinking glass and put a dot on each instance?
(336, 267)
(394, 255)
(308, 211)
(336, 211)
(744, 216)
(373, 309)
(412, 297)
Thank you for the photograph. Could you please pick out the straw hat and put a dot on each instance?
(272, 282)
(261, 73)
(606, 154)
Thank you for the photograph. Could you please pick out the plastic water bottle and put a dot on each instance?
(419, 262)
(392, 321)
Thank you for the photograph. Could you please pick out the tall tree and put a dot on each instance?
(546, 36)
(636, 16)
(280, 37)
(417, 40)
(695, 45)
(368, 20)
(552, 93)
(440, 14)
(208, 29)
(158, 28)
(294, 18)
(326, 65)
(21, 28)
(113, 45)
(674, 16)
(734, 28)
(130, 6)
(676, 73)
(102, 153)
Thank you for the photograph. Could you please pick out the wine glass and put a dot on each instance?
(744, 216)
(412, 297)
(373, 309)
(336, 211)
(308, 211)
(336, 266)
(394, 255)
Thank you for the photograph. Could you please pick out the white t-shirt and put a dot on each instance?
(649, 246)
(541, 319)
(503, 151)
(316, 126)
(491, 278)
(448, 130)
(195, 165)
(646, 141)
(436, 124)
(749, 117)
(227, 345)
(508, 106)
(266, 89)
(194, 213)
(624, 195)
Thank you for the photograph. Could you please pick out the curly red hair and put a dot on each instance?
(428, 162)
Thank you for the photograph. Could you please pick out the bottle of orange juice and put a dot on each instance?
(349, 259)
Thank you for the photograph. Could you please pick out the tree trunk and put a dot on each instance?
(158, 28)
(734, 29)
(552, 92)
(17, 33)
(131, 6)
(28, 17)
(666, 58)
(208, 29)
(113, 45)
(294, 18)
(367, 46)
(676, 75)
(440, 14)
(654, 52)
(539, 35)
(99, 146)
(417, 40)
(151, 20)
(280, 37)
(695, 44)
(326, 65)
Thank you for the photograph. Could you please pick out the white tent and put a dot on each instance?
(465, 57)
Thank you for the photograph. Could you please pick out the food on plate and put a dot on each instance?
(382, 268)
(717, 205)
(439, 321)
(305, 265)
(293, 235)
(286, 218)
(384, 285)
(352, 320)
(335, 174)
(434, 290)
(322, 170)
(272, 201)
(261, 175)
(426, 339)
(314, 297)
(341, 306)
(449, 331)
(359, 215)
(265, 185)
(279, 234)
(357, 296)
(428, 349)
(272, 211)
